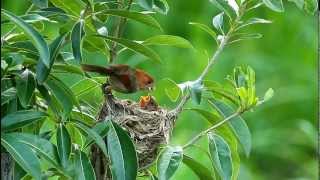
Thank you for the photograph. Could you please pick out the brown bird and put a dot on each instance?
(123, 78)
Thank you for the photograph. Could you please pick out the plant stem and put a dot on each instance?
(118, 32)
(196, 138)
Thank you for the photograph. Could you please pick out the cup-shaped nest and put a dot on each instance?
(149, 129)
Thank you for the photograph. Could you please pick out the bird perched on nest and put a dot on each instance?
(148, 103)
(123, 78)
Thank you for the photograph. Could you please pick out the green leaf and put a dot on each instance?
(122, 153)
(217, 22)
(168, 162)
(172, 89)
(196, 89)
(218, 89)
(226, 7)
(161, 6)
(200, 170)
(63, 144)
(8, 95)
(139, 17)
(86, 85)
(168, 40)
(76, 39)
(220, 156)
(73, 7)
(136, 47)
(83, 167)
(146, 4)
(268, 95)
(22, 154)
(275, 5)
(38, 40)
(211, 117)
(63, 93)
(205, 29)
(310, 6)
(93, 135)
(237, 124)
(42, 146)
(67, 68)
(100, 128)
(42, 71)
(254, 21)
(20, 119)
(40, 3)
(101, 27)
(25, 87)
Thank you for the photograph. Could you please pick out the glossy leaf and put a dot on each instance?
(63, 145)
(25, 85)
(196, 89)
(122, 153)
(7, 95)
(275, 5)
(86, 85)
(20, 119)
(168, 40)
(146, 4)
(237, 124)
(254, 21)
(200, 170)
(43, 147)
(42, 71)
(220, 156)
(205, 29)
(22, 154)
(63, 93)
(217, 22)
(161, 6)
(73, 7)
(83, 167)
(93, 135)
(168, 162)
(67, 68)
(134, 46)
(37, 39)
(77, 34)
(224, 6)
(142, 18)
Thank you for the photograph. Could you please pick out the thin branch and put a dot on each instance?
(118, 33)
(196, 138)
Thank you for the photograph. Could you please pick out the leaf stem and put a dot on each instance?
(196, 138)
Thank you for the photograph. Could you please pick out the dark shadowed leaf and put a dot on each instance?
(146, 4)
(37, 39)
(196, 89)
(168, 162)
(83, 167)
(22, 154)
(21, 118)
(63, 145)
(42, 71)
(93, 135)
(8, 95)
(122, 153)
(77, 34)
(200, 170)
(161, 6)
(220, 156)
(224, 6)
(237, 124)
(63, 94)
(134, 46)
(100, 128)
(25, 85)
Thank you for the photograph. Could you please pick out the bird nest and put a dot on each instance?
(148, 128)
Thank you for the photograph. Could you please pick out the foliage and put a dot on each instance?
(47, 125)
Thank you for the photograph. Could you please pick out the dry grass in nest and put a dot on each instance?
(147, 128)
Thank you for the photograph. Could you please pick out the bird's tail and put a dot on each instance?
(94, 68)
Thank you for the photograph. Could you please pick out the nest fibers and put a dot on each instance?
(147, 129)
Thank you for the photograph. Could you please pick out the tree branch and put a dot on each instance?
(196, 138)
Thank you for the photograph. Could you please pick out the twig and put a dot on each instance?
(193, 140)
(119, 30)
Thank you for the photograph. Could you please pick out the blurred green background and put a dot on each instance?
(285, 59)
